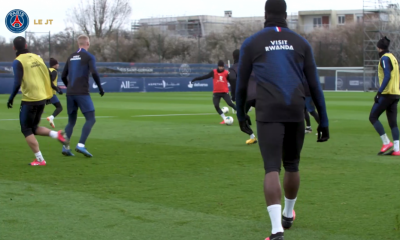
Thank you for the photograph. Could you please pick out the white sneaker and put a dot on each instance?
(233, 111)
(308, 130)
(51, 121)
(251, 108)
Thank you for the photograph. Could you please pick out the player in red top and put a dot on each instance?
(220, 81)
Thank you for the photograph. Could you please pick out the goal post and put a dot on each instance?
(347, 79)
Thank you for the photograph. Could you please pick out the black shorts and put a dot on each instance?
(281, 142)
(29, 118)
(217, 98)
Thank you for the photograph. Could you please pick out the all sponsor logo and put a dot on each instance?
(17, 21)
(129, 85)
(164, 85)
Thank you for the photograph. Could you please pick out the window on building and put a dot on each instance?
(317, 22)
(341, 20)
(359, 19)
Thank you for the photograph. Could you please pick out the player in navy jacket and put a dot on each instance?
(76, 78)
(281, 61)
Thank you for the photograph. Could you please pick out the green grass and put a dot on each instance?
(187, 177)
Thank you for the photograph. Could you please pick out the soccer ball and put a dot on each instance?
(225, 110)
(229, 121)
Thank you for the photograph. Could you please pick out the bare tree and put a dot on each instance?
(100, 17)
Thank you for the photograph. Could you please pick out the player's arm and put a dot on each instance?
(311, 74)
(53, 76)
(387, 69)
(95, 74)
(209, 75)
(18, 74)
(64, 75)
(244, 71)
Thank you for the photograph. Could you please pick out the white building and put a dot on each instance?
(308, 21)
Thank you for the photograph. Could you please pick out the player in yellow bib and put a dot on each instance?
(33, 77)
(54, 100)
(387, 98)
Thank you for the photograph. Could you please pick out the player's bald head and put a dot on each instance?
(83, 41)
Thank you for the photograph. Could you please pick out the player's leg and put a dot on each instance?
(54, 100)
(292, 146)
(42, 131)
(228, 101)
(253, 138)
(72, 110)
(308, 121)
(391, 113)
(216, 101)
(27, 118)
(271, 141)
(376, 112)
(315, 116)
(85, 103)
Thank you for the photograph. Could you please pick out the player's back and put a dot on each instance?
(278, 56)
(35, 84)
(78, 67)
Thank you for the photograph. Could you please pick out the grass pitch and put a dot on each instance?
(187, 177)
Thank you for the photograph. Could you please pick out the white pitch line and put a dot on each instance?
(172, 115)
(56, 118)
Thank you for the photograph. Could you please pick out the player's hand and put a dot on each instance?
(377, 96)
(10, 103)
(101, 92)
(244, 126)
(323, 134)
(59, 91)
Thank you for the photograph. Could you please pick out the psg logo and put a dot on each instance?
(17, 21)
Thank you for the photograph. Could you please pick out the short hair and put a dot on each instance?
(19, 43)
(82, 39)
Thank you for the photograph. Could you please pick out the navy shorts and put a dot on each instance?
(54, 99)
(83, 102)
(310, 104)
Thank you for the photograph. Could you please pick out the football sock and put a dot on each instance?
(39, 156)
(308, 126)
(252, 136)
(53, 134)
(87, 128)
(81, 145)
(385, 139)
(276, 218)
(307, 117)
(396, 146)
(66, 147)
(289, 206)
(223, 116)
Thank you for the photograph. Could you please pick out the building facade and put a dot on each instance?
(309, 21)
(201, 25)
